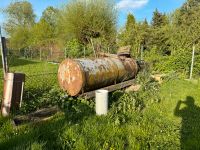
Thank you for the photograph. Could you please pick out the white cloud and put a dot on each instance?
(131, 4)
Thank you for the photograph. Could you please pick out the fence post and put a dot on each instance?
(65, 53)
(93, 48)
(3, 53)
(142, 50)
(192, 64)
(40, 54)
(51, 51)
(84, 51)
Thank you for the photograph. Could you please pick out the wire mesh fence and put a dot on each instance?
(41, 73)
(42, 55)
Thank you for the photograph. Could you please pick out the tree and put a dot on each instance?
(19, 14)
(159, 19)
(49, 19)
(130, 23)
(42, 34)
(84, 20)
(20, 19)
(50, 15)
(20, 38)
(159, 34)
(144, 34)
(131, 35)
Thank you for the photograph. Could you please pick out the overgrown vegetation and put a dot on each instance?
(80, 27)
(91, 24)
(137, 120)
(168, 40)
(158, 116)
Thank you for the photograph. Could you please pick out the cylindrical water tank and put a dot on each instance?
(80, 75)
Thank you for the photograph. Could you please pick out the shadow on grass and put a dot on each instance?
(190, 129)
(15, 61)
(51, 134)
(114, 97)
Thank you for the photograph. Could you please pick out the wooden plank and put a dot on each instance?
(109, 88)
(37, 116)
(3, 54)
(102, 54)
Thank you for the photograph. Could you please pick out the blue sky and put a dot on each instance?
(140, 8)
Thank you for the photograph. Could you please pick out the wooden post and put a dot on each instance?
(192, 64)
(93, 48)
(65, 53)
(84, 51)
(31, 53)
(3, 53)
(51, 51)
(40, 54)
(142, 50)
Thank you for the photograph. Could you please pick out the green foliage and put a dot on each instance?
(50, 15)
(42, 34)
(20, 38)
(159, 19)
(135, 121)
(167, 43)
(130, 24)
(83, 20)
(20, 19)
(39, 81)
(19, 14)
(130, 35)
(74, 49)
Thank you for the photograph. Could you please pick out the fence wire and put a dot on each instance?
(40, 71)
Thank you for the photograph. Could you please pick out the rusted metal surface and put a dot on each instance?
(12, 93)
(131, 67)
(82, 75)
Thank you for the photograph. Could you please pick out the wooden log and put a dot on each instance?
(111, 88)
(39, 115)
(133, 88)
(101, 54)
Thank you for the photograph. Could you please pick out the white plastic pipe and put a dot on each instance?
(101, 100)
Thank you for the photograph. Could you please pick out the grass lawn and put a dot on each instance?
(40, 76)
(172, 122)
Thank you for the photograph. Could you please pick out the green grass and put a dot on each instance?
(157, 126)
(40, 77)
(141, 120)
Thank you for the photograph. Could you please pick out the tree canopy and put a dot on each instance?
(88, 19)
(19, 14)
(80, 25)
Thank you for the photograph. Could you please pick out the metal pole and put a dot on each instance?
(192, 64)
(3, 54)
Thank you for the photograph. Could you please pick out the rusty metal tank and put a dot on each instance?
(76, 76)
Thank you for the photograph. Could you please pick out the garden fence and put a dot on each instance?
(40, 70)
